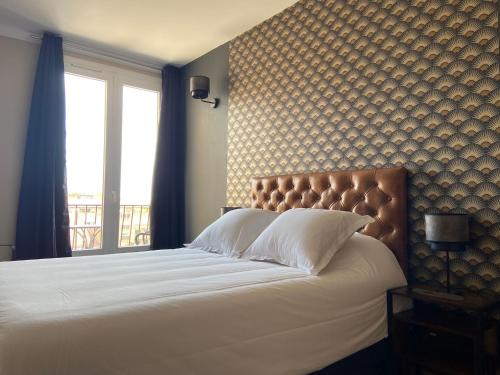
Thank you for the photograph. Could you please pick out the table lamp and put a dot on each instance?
(447, 232)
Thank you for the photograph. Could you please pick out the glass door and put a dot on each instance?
(111, 129)
(139, 133)
(85, 134)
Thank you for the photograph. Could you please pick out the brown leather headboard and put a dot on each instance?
(380, 193)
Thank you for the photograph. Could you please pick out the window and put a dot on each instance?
(111, 128)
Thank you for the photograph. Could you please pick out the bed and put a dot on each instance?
(186, 311)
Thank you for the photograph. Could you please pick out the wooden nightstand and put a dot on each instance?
(444, 336)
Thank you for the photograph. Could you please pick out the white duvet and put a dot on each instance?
(187, 311)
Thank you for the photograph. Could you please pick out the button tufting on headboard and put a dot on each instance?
(380, 193)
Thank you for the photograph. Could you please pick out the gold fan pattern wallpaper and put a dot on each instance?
(333, 85)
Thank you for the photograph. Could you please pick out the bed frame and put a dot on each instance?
(380, 193)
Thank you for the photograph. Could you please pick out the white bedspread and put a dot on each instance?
(186, 311)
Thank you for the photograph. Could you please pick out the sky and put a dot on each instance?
(85, 139)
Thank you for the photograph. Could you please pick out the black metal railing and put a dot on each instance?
(134, 225)
(86, 226)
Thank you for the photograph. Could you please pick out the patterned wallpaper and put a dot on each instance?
(331, 84)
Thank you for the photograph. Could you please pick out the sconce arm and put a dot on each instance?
(213, 103)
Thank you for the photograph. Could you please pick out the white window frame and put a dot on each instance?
(115, 78)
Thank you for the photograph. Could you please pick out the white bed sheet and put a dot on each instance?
(187, 311)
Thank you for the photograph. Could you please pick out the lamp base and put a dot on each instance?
(436, 294)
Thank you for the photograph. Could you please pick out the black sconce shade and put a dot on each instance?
(199, 87)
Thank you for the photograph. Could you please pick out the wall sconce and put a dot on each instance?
(199, 86)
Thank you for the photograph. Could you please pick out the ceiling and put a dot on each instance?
(161, 31)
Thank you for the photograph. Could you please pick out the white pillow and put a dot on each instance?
(306, 238)
(234, 231)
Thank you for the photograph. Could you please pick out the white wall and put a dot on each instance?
(17, 69)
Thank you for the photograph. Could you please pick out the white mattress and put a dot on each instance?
(186, 311)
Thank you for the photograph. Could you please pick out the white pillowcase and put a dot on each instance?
(306, 238)
(234, 231)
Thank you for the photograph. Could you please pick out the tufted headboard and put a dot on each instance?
(380, 193)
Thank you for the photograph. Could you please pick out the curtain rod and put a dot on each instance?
(100, 54)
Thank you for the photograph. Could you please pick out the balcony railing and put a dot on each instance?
(134, 225)
(86, 226)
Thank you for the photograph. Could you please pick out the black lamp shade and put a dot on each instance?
(199, 86)
(447, 232)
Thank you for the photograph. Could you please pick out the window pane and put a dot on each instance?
(85, 129)
(139, 132)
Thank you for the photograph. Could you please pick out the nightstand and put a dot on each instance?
(443, 336)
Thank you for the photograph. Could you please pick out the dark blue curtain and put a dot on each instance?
(167, 202)
(42, 219)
